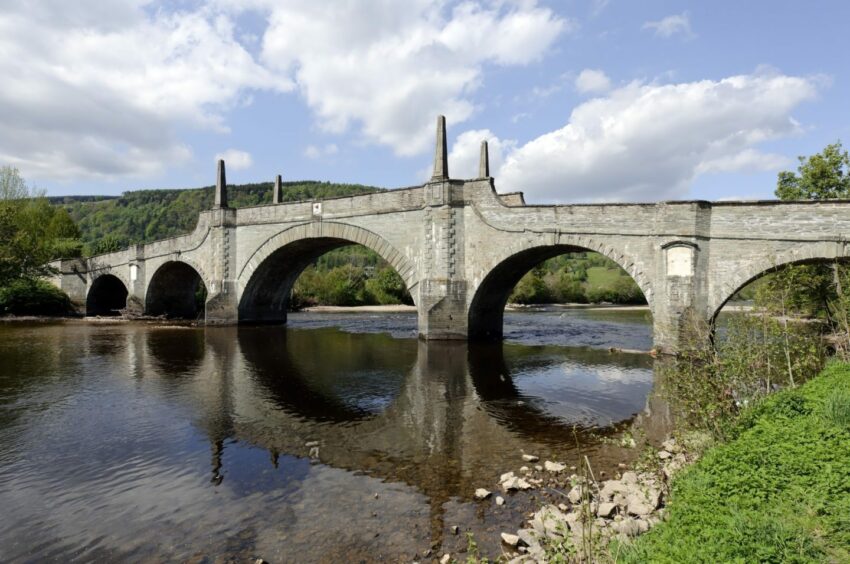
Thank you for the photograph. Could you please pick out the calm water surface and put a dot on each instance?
(338, 438)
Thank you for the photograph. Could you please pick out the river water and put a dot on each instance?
(339, 438)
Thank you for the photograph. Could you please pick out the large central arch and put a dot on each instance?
(487, 307)
(270, 273)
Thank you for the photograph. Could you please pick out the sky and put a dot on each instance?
(595, 101)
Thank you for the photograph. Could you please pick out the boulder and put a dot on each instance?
(629, 478)
(575, 495)
(606, 509)
(554, 466)
(509, 539)
(530, 458)
(481, 493)
(640, 504)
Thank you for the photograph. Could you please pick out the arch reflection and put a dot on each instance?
(325, 374)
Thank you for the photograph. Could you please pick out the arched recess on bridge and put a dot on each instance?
(767, 265)
(107, 296)
(269, 275)
(176, 291)
(487, 306)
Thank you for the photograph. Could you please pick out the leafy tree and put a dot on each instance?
(387, 287)
(106, 244)
(822, 176)
(532, 288)
(12, 184)
(32, 232)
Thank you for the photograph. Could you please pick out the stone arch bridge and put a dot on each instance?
(460, 247)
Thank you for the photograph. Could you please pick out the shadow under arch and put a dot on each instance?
(505, 403)
(265, 298)
(173, 292)
(107, 296)
(323, 387)
(487, 308)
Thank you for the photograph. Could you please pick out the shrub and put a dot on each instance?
(836, 408)
(531, 289)
(387, 287)
(33, 297)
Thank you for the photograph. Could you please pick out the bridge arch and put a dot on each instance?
(490, 296)
(173, 290)
(107, 295)
(267, 278)
(762, 266)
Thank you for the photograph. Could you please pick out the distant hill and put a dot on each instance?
(142, 216)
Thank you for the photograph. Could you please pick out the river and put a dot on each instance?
(339, 438)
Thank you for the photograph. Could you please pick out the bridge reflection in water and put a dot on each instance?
(443, 417)
(133, 441)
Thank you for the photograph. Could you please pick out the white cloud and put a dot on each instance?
(314, 152)
(234, 159)
(391, 67)
(102, 90)
(466, 152)
(647, 142)
(96, 90)
(592, 81)
(672, 25)
(748, 160)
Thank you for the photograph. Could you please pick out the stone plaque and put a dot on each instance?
(317, 208)
(680, 261)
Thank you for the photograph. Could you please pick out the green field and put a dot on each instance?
(600, 277)
(779, 492)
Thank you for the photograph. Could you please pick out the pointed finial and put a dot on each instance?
(441, 161)
(220, 186)
(484, 162)
(278, 190)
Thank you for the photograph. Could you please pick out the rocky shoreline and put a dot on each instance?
(594, 512)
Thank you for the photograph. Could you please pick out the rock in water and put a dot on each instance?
(530, 458)
(481, 493)
(509, 539)
(500, 500)
(554, 466)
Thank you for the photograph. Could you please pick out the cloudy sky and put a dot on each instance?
(604, 100)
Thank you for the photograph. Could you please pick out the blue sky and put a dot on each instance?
(580, 101)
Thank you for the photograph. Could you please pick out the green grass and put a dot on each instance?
(778, 492)
(602, 277)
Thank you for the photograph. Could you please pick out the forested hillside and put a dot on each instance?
(142, 216)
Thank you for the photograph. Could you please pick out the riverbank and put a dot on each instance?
(401, 308)
(779, 491)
